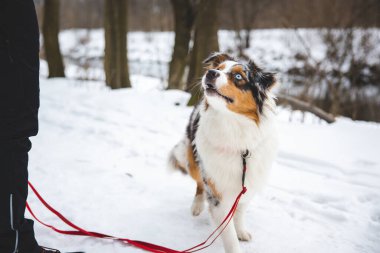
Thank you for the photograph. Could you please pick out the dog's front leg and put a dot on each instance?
(229, 236)
(239, 221)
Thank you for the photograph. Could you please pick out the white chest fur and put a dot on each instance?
(223, 136)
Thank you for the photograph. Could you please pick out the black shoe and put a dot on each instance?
(49, 250)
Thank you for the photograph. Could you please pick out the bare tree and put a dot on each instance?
(184, 20)
(205, 42)
(245, 15)
(50, 32)
(339, 82)
(299, 12)
(115, 58)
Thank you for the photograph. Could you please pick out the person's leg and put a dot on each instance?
(19, 102)
(16, 232)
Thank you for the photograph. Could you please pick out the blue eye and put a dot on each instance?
(238, 77)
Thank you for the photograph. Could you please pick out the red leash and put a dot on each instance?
(141, 244)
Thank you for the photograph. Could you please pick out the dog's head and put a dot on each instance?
(230, 84)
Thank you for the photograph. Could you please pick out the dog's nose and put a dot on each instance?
(212, 74)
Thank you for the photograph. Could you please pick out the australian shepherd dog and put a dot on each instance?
(236, 115)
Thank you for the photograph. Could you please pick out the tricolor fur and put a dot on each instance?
(236, 114)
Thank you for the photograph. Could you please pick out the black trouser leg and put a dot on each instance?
(19, 102)
(16, 232)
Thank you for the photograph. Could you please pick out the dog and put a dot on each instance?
(236, 115)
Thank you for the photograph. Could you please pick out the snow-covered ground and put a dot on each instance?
(100, 159)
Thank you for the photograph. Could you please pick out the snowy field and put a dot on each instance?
(100, 159)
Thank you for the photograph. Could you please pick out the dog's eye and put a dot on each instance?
(238, 77)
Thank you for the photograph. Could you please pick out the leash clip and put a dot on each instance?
(246, 154)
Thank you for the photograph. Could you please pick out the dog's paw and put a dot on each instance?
(244, 235)
(197, 207)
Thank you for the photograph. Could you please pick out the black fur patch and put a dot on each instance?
(192, 128)
(212, 200)
(259, 83)
(265, 79)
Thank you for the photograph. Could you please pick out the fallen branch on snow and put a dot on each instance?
(297, 104)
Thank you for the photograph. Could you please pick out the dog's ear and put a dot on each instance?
(266, 80)
(216, 58)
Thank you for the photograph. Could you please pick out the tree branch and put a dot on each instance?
(297, 104)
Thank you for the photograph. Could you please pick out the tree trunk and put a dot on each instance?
(183, 19)
(50, 31)
(115, 58)
(205, 42)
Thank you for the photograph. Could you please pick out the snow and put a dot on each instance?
(100, 159)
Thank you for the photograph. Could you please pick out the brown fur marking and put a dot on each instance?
(244, 103)
(238, 69)
(206, 105)
(200, 189)
(215, 59)
(221, 66)
(213, 189)
(180, 167)
(194, 171)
